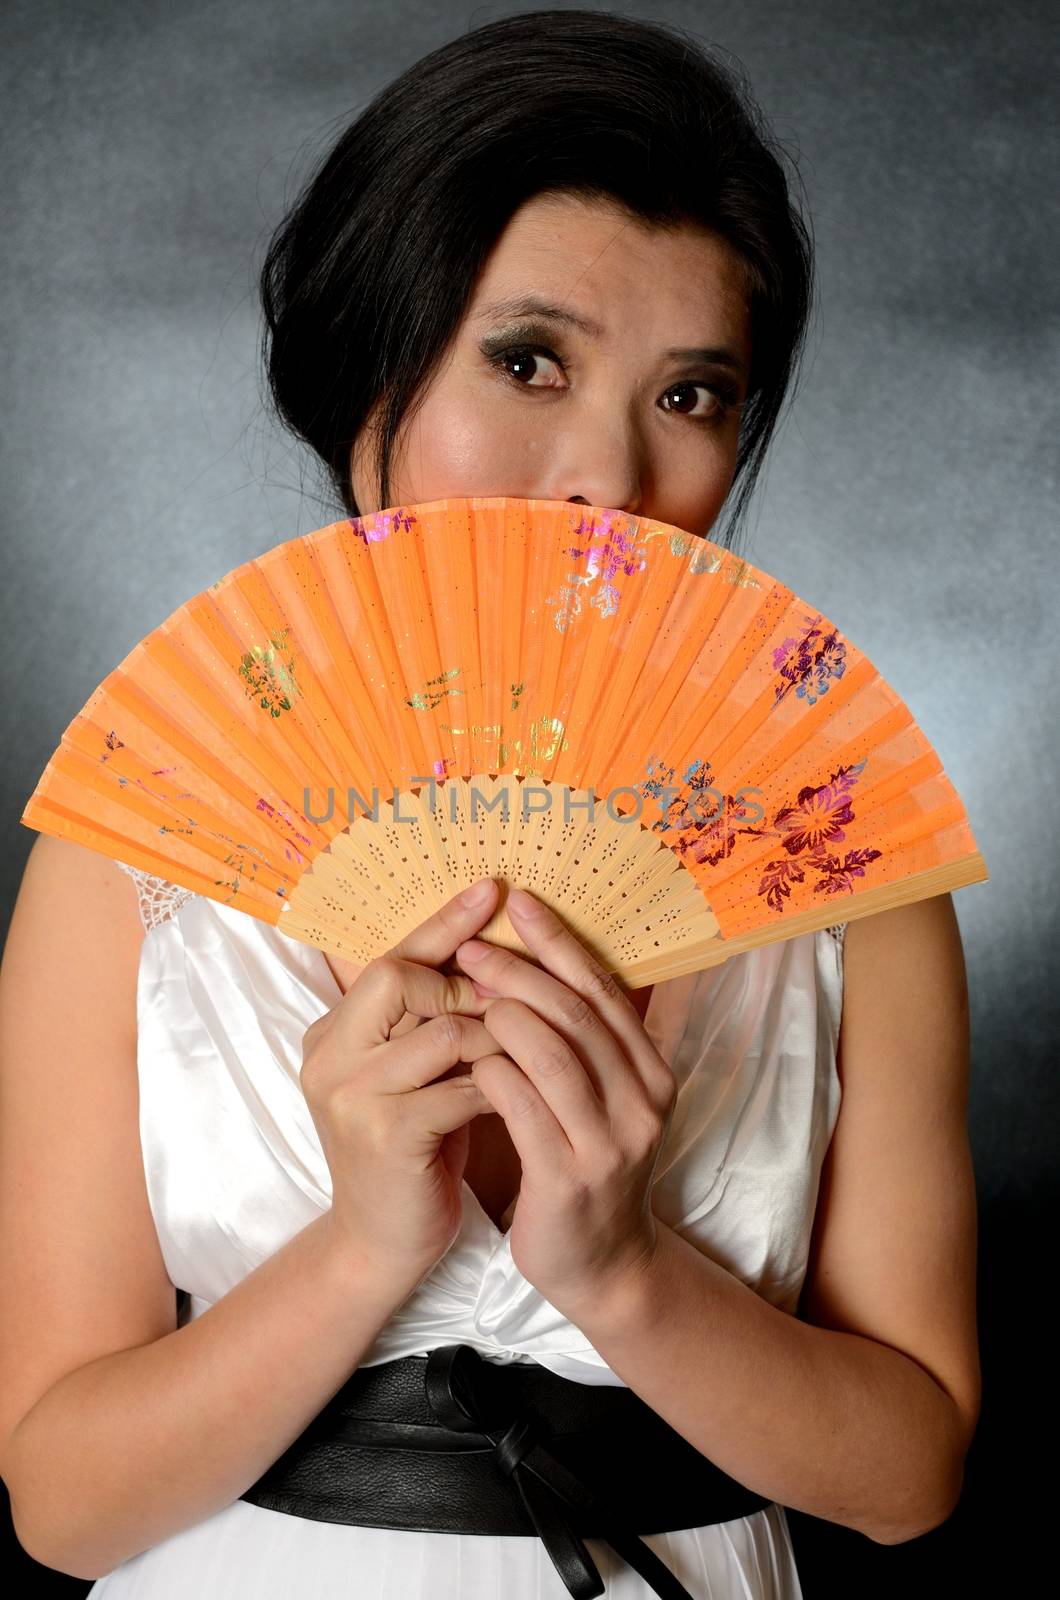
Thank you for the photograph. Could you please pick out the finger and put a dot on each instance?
(390, 987)
(444, 1045)
(444, 1107)
(561, 954)
(541, 1143)
(435, 940)
(572, 1014)
(556, 1073)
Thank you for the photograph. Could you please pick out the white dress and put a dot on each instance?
(234, 1169)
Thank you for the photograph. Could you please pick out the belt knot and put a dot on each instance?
(468, 1394)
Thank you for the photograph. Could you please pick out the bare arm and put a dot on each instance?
(118, 1429)
(142, 1443)
(861, 1414)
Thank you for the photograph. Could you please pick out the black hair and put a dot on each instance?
(367, 278)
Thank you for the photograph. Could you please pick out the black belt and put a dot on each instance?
(456, 1444)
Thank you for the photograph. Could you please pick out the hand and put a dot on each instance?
(587, 1100)
(393, 1105)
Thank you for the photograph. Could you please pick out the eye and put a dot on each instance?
(725, 399)
(725, 396)
(522, 355)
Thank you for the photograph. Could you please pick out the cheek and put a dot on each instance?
(697, 488)
(459, 445)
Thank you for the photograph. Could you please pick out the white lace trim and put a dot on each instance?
(837, 930)
(158, 899)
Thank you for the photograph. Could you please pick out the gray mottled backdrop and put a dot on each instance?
(148, 150)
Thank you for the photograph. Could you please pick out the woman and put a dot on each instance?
(343, 1168)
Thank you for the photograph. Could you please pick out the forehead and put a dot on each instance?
(601, 264)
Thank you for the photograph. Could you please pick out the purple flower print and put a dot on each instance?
(806, 830)
(615, 552)
(384, 524)
(806, 664)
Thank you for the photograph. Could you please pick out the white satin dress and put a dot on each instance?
(234, 1169)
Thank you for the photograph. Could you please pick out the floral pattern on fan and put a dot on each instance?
(238, 856)
(499, 752)
(428, 698)
(706, 558)
(817, 819)
(373, 530)
(492, 746)
(619, 551)
(268, 673)
(806, 664)
(624, 550)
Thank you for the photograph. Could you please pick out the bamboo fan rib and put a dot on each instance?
(694, 760)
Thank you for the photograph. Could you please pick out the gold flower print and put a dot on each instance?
(706, 558)
(493, 751)
(269, 674)
(430, 697)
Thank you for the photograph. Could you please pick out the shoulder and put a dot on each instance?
(66, 882)
(73, 946)
(904, 975)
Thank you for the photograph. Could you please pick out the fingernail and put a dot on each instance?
(476, 895)
(523, 903)
(472, 953)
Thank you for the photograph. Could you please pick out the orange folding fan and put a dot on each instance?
(671, 748)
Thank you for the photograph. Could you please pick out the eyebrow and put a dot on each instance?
(528, 305)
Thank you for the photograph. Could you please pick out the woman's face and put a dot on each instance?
(630, 415)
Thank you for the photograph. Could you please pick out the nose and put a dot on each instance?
(598, 459)
(606, 502)
(602, 497)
